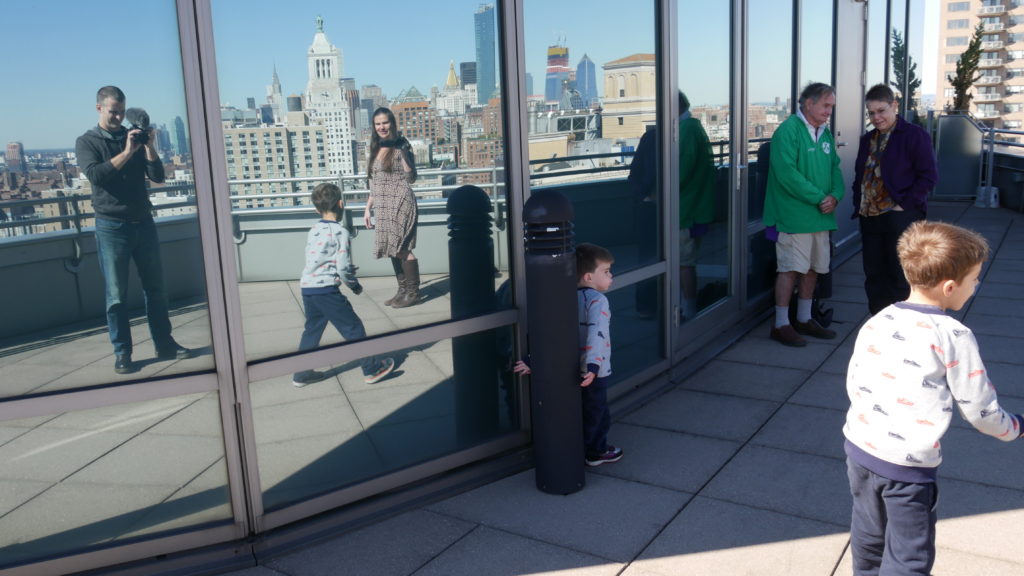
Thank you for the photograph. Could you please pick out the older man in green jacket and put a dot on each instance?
(805, 185)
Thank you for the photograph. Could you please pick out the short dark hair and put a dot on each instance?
(684, 103)
(880, 93)
(815, 91)
(109, 92)
(933, 252)
(326, 197)
(588, 256)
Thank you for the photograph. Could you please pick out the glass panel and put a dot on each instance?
(898, 72)
(57, 335)
(67, 486)
(338, 70)
(592, 137)
(339, 430)
(876, 43)
(599, 99)
(913, 47)
(770, 57)
(815, 42)
(704, 132)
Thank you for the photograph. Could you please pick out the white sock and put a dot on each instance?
(803, 309)
(781, 316)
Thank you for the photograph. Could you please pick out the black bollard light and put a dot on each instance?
(471, 277)
(552, 315)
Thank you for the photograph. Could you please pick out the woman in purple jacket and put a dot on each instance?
(894, 173)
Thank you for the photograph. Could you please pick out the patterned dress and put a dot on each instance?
(394, 208)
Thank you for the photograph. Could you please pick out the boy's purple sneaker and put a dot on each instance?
(612, 454)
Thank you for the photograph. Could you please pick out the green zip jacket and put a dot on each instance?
(801, 173)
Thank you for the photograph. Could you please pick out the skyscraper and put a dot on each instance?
(467, 73)
(529, 84)
(485, 58)
(557, 73)
(326, 100)
(16, 157)
(586, 80)
(276, 99)
(180, 138)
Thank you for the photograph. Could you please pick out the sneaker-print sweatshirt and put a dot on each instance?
(911, 365)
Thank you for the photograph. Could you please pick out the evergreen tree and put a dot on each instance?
(905, 71)
(966, 72)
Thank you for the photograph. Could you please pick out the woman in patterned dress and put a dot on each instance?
(392, 170)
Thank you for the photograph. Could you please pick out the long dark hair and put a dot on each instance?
(375, 142)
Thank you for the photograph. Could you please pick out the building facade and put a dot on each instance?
(998, 94)
(327, 101)
(486, 42)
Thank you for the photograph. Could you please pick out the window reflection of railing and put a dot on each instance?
(30, 216)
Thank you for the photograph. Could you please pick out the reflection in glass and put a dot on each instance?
(55, 331)
(66, 486)
(441, 398)
(704, 133)
(815, 46)
(637, 338)
(768, 91)
(912, 46)
(599, 99)
(447, 107)
(877, 44)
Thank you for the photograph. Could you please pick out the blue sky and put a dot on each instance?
(407, 43)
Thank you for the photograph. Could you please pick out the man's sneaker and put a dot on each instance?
(812, 328)
(385, 368)
(300, 379)
(123, 364)
(174, 350)
(612, 454)
(788, 336)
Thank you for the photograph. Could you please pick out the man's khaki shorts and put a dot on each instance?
(687, 248)
(803, 252)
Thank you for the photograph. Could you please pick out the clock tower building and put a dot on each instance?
(327, 102)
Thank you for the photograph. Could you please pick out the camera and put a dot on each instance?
(139, 120)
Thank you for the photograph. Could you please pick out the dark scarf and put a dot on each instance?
(395, 143)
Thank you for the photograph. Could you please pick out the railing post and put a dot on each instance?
(555, 400)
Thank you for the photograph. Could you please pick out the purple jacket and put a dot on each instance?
(908, 166)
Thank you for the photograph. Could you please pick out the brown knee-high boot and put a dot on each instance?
(396, 264)
(411, 294)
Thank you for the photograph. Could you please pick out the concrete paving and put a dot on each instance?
(738, 469)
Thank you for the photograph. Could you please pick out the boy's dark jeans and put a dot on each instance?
(892, 531)
(596, 418)
(335, 308)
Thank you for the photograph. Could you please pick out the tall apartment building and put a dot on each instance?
(556, 73)
(486, 36)
(998, 95)
(327, 102)
(293, 149)
(16, 157)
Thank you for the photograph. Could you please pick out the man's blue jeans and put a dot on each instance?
(118, 243)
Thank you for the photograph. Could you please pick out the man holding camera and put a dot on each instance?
(117, 161)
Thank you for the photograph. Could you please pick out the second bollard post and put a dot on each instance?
(553, 342)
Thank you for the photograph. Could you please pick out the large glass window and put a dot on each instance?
(593, 137)
(769, 86)
(445, 396)
(705, 128)
(309, 92)
(87, 247)
(78, 481)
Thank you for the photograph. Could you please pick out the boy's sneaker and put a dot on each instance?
(385, 368)
(612, 454)
(301, 379)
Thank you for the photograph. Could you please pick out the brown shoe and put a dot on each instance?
(788, 336)
(812, 328)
